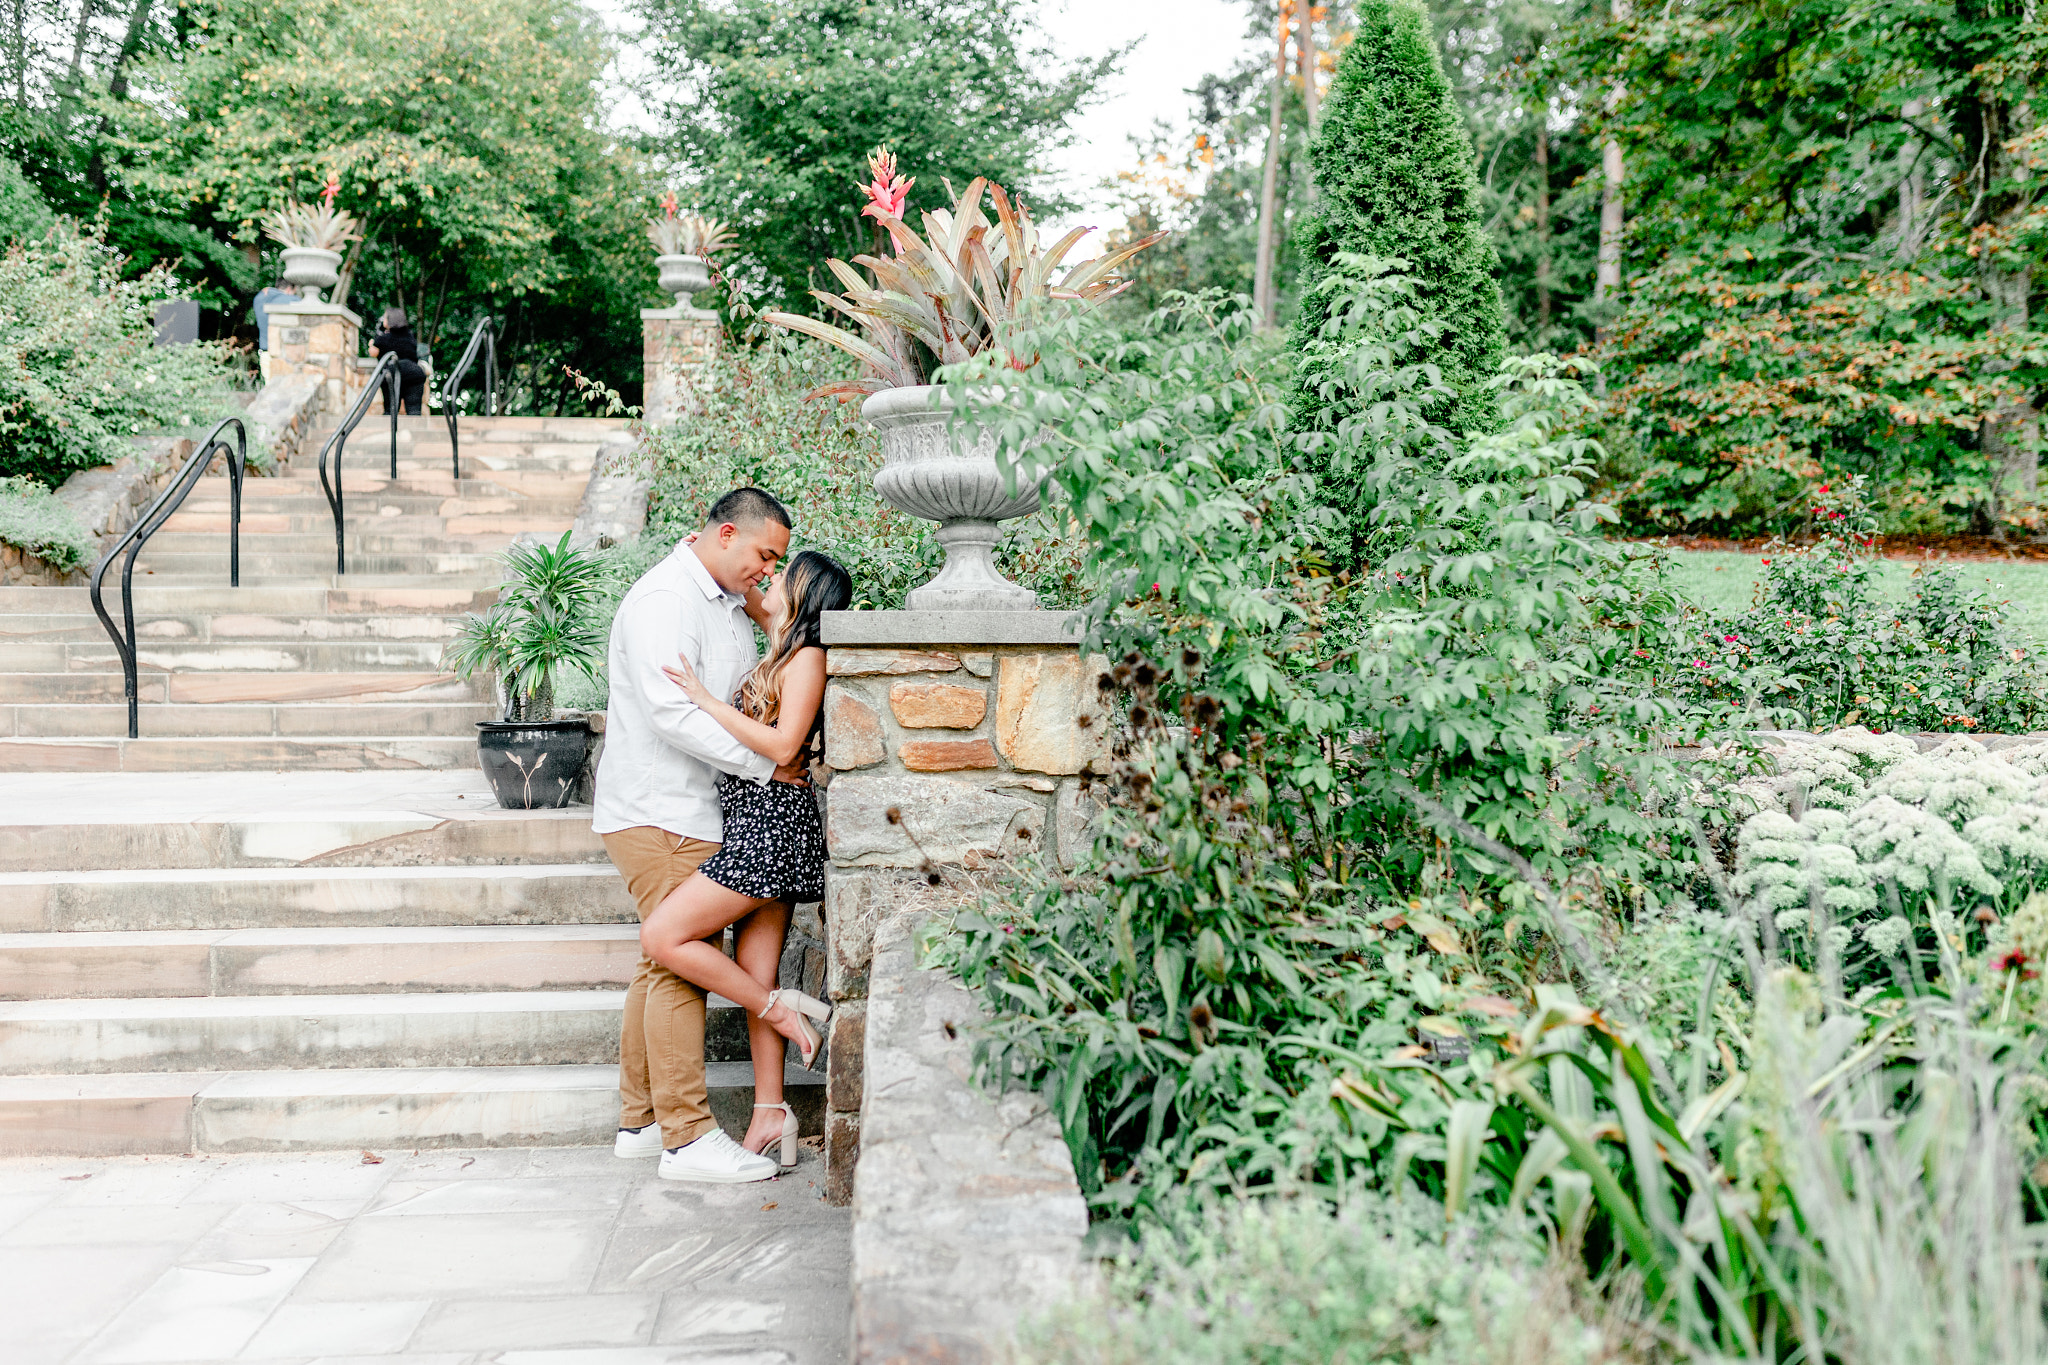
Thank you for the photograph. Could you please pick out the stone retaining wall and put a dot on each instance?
(966, 1214)
(980, 731)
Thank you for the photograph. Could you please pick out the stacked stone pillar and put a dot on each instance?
(320, 339)
(674, 342)
(980, 730)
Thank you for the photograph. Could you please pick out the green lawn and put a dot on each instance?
(1726, 583)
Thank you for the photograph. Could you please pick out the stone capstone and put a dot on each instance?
(853, 732)
(952, 822)
(945, 755)
(848, 663)
(1041, 701)
(938, 706)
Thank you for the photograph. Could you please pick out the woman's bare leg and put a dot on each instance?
(757, 943)
(682, 936)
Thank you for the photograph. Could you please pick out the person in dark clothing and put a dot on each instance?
(396, 338)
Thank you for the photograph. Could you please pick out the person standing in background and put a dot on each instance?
(280, 292)
(396, 338)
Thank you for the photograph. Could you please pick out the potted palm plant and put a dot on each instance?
(943, 297)
(685, 243)
(547, 617)
(312, 237)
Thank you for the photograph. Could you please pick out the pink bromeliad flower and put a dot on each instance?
(887, 191)
(331, 188)
(669, 206)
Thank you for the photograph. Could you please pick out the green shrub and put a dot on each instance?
(32, 519)
(1372, 1278)
(78, 373)
(1394, 180)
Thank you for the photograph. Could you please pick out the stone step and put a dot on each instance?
(241, 656)
(63, 822)
(381, 960)
(346, 1110)
(446, 720)
(234, 753)
(261, 1033)
(481, 519)
(312, 594)
(66, 627)
(139, 899)
(366, 536)
(269, 687)
(212, 565)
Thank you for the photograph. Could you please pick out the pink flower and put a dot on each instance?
(668, 204)
(1700, 663)
(331, 188)
(887, 191)
(1728, 639)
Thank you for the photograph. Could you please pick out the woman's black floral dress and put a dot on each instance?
(774, 844)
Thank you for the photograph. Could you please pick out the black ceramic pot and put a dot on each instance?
(532, 764)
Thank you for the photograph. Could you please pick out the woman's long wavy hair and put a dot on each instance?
(812, 585)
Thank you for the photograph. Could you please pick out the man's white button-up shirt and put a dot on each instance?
(662, 753)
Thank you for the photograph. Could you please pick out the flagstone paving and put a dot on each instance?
(551, 1256)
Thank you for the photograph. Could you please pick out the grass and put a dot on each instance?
(1726, 583)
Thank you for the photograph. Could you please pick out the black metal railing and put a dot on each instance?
(146, 526)
(483, 338)
(385, 376)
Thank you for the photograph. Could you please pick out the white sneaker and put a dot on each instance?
(637, 1142)
(715, 1159)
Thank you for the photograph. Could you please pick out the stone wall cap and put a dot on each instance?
(952, 628)
(308, 308)
(688, 314)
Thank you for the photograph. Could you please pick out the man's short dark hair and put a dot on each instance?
(748, 507)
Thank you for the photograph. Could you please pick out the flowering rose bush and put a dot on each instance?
(1825, 646)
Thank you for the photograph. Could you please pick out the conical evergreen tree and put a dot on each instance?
(1394, 178)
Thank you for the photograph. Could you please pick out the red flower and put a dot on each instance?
(2011, 960)
(887, 191)
(1823, 488)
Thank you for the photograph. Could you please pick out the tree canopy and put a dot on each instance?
(785, 98)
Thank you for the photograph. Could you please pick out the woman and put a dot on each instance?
(396, 338)
(773, 855)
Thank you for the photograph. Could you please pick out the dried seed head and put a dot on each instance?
(1023, 833)
(1207, 708)
(932, 879)
(1230, 760)
(1140, 717)
(1986, 915)
(1105, 683)
(1145, 675)
(1133, 659)
(1132, 840)
(1083, 721)
(1190, 660)
(894, 815)
(1121, 675)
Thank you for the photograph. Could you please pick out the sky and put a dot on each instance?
(1178, 42)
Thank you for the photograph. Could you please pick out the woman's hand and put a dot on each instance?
(682, 675)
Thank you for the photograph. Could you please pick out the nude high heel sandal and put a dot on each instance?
(788, 1159)
(806, 1009)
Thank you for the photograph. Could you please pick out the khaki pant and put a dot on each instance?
(661, 1047)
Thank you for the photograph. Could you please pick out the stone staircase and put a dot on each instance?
(290, 915)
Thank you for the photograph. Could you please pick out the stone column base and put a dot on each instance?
(674, 342)
(979, 730)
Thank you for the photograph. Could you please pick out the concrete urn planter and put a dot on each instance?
(312, 269)
(949, 475)
(683, 276)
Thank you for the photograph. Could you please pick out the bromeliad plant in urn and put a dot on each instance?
(943, 297)
(685, 243)
(312, 238)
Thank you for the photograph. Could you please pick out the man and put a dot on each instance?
(657, 810)
(282, 292)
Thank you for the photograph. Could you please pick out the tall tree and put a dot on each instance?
(470, 152)
(787, 97)
(1263, 301)
(1395, 180)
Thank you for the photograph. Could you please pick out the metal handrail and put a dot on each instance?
(484, 336)
(386, 374)
(146, 526)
